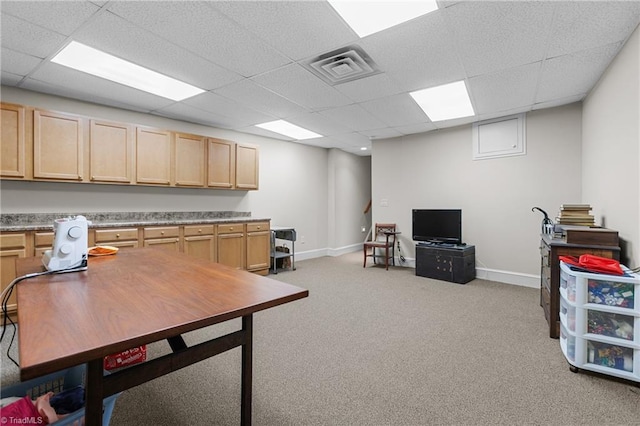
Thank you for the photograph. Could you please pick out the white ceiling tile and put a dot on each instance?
(248, 93)
(318, 123)
(373, 87)
(559, 102)
(9, 79)
(219, 105)
(415, 128)
(264, 132)
(298, 29)
(81, 84)
(205, 31)
(398, 110)
(83, 95)
(63, 17)
(566, 75)
(119, 37)
(28, 38)
(300, 86)
(504, 90)
(353, 117)
(184, 112)
(416, 55)
(17, 62)
(583, 25)
(500, 35)
(384, 133)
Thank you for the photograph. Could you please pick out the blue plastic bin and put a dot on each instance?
(56, 382)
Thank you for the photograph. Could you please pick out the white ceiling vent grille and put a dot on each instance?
(343, 65)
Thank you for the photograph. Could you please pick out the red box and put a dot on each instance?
(125, 358)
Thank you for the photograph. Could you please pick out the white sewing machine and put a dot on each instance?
(70, 245)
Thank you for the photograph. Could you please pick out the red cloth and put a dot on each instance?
(22, 412)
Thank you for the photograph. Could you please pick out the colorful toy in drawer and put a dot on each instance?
(611, 325)
(610, 356)
(611, 293)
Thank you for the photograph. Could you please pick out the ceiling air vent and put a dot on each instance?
(343, 65)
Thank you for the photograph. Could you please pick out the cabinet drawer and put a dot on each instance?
(193, 230)
(161, 232)
(44, 239)
(257, 227)
(13, 241)
(103, 235)
(230, 228)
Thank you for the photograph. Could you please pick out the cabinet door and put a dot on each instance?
(153, 156)
(258, 250)
(57, 146)
(202, 247)
(221, 167)
(190, 160)
(13, 141)
(110, 152)
(231, 251)
(246, 166)
(12, 246)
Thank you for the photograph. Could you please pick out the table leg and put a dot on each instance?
(247, 370)
(94, 392)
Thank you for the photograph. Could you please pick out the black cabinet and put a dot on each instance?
(456, 264)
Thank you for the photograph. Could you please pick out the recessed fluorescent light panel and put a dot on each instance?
(370, 16)
(288, 129)
(444, 102)
(92, 61)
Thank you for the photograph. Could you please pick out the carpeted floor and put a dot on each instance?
(375, 347)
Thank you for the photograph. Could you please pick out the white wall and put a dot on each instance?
(436, 170)
(611, 148)
(294, 183)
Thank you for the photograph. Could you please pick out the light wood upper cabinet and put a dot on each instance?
(153, 156)
(110, 151)
(190, 160)
(13, 161)
(57, 146)
(221, 170)
(246, 166)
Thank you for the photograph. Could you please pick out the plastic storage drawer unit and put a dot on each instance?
(600, 322)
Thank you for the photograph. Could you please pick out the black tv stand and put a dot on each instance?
(449, 262)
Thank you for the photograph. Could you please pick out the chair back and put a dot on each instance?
(380, 230)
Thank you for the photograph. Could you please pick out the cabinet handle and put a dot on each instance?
(231, 229)
(117, 235)
(258, 227)
(200, 231)
(161, 232)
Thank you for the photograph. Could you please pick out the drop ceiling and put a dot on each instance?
(253, 59)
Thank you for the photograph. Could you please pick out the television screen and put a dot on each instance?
(437, 225)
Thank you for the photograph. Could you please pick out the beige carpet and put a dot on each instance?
(376, 347)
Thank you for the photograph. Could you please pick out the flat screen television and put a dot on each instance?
(437, 225)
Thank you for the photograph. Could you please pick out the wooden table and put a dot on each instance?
(136, 297)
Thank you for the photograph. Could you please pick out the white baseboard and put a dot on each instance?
(507, 277)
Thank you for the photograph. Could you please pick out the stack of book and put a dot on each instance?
(575, 214)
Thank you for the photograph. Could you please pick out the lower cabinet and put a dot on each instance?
(199, 241)
(258, 247)
(231, 245)
(116, 237)
(12, 246)
(163, 237)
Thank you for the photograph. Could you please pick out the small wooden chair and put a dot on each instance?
(384, 238)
